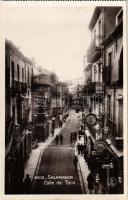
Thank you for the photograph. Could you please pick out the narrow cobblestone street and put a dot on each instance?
(64, 98)
(57, 160)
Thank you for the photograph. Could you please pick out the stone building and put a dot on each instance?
(42, 104)
(113, 76)
(18, 115)
(62, 98)
(94, 57)
(104, 88)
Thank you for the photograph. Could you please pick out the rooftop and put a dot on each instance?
(14, 48)
(94, 18)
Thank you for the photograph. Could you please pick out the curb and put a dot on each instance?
(81, 179)
(40, 156)
(84, 183)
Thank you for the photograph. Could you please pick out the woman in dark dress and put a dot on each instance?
(90, 182)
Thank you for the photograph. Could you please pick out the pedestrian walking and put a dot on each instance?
(57, 139)
(85, 154)
(53, 123)
(53, 130)
(70, 137)
(82, 127)
(75, 135)
(81, 149)
(60, 123)
(61, 138)
(96, 183)
(27, 184)
(75, 162)
(79, 137)
(78, 148)
(90, 182)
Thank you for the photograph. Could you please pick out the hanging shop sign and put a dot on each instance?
(100, 146)
(107, 166)
(90, 119)
(95, 153)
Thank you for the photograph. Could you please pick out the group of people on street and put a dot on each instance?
(60, 124)
(24, 186)
(80, 148)
(59, 138)
(73, 137)
(94, 183)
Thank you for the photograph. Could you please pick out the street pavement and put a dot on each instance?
(56, 173)
(31, 164)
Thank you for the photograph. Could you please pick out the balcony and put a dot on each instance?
(90, 88)
(23, 88)
(118, 30)
(18, 87)
(107, 75)
(99, 88)
(113, 127)
(94, 51)
(42, 80)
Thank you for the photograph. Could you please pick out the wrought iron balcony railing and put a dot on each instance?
(117, 130)
(18, 87)
(94, 50)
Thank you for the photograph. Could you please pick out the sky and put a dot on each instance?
(56, 37)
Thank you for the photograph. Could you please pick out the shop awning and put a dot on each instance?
(114, 150)
(88, 134)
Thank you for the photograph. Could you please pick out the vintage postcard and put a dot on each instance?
(63, 100)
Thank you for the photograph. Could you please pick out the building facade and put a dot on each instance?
(42, 105)
(49, 100)
(95, 58)
(104, 73)
(113, 77)
(18, 115)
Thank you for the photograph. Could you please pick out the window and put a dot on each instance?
(115, 48)
(120, 117)
(7, 73)
(12, 71)
(28, 75)
(94, 73)
(109, 106)
(22, 75)
(18, 72)
(110, 59)
(25, 74)
(13, 113)
(99, 26)
(95, 36)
